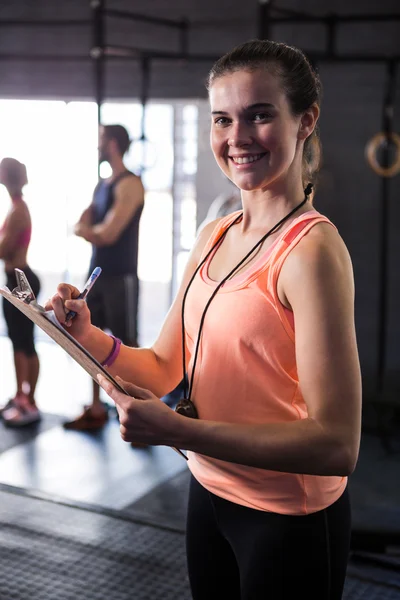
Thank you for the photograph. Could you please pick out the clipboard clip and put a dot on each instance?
(23, 291)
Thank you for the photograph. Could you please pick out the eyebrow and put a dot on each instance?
(247, 108)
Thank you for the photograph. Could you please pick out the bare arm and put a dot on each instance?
(129, 197)
(85, 222)
(317, 283)
(158, 368)
(86, 217)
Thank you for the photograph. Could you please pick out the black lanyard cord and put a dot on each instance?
(188, 392)
(185, 383)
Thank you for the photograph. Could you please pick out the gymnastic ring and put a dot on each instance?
(371, 150)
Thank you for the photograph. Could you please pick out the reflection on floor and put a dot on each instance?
(100, 472)
(101, 469)
(94, 468)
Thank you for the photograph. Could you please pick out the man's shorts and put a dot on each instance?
(113, 304)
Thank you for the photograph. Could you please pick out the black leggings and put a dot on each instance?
(20, 328)
(240, 553)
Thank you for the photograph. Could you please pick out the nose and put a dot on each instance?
(239, 135)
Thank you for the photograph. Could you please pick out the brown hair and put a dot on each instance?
(120, 135)
(299, 80)
(15, 175)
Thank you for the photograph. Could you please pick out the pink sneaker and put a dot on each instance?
(8, 405)
(21, 413)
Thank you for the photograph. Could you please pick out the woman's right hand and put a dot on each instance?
(64, 301)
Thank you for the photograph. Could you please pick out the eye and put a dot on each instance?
(261, 116)
(221, 121)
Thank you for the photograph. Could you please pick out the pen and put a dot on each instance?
(88, 286)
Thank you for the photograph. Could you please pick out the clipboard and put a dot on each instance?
(23, 298)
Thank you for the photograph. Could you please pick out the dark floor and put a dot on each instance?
(103, 472)
(95, 468)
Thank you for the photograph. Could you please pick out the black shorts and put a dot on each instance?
(113, 304)
(20, 328)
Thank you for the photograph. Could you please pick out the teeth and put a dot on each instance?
(243, 160)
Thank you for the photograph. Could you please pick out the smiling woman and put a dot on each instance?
(264, 106)
(262, 332)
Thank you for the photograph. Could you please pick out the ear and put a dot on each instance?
(308, 122)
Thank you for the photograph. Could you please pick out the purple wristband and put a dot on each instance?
(113, 354)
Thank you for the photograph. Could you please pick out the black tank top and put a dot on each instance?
(121, 257)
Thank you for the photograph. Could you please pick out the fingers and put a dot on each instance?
(77, 306)
(63, 293)
(106, 385)
(122, 401)
(67, 291)
(60, 301)
(124, 433)
(57, 304)
(129, 407)
(134, 390)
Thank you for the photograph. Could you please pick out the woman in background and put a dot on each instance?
(15, 236)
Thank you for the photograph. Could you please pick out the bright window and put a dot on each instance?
(58, 143)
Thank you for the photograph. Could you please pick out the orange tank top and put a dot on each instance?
(246, 373)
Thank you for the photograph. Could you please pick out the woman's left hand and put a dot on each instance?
(143, 417)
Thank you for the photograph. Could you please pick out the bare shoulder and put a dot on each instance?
(320, 247)
(321, 258)
(128, 185)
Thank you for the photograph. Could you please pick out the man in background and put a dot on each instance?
(111, 225)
